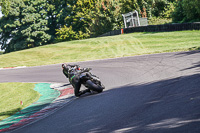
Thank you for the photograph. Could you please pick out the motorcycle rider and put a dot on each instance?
(73, 72)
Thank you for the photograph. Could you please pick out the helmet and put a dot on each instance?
(64, 65)
(65, 69)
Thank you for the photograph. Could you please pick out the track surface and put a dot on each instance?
(146, 94)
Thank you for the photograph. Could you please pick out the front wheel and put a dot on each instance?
(94, 87)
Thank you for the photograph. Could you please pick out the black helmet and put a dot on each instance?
(65, 67)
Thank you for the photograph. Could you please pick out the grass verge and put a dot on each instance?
(12, 93)
(104, 47)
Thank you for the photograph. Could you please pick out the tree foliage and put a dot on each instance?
(5, 4)
(24, 26)
(31, 23)
(57, 11)
(91, 18)
(67, 34)
(95, 17)
(187, 11)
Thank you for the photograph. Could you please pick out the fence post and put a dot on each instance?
(122, 31)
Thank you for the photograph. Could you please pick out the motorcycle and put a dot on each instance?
(90, 81)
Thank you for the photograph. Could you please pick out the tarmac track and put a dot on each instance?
(144, 94)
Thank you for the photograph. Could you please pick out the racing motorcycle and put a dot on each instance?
(90, 81)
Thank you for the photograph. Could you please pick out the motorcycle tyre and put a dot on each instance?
(92, 86)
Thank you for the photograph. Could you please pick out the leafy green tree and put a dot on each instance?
(129, 6)
(76, 23)
(191, 9)
(168, 10)
(25, 25)
(5, 4)
(187, 11)
(92, 18)
(106, 17)
(158, 6)
(57, 11)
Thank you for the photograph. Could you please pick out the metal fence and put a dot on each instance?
(156, 28)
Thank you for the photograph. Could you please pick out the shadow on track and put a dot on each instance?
(29, 114)
(188, 52)
(164, 106)
(195, 65)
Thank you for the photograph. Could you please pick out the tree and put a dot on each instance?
(187, 11)
(57, 11)
(191, 9)
(129, 6)
(105, 17)
(92, 18)
(5, 4)
(25, 25)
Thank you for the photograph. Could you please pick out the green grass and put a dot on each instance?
(104, 47)
(12, 93)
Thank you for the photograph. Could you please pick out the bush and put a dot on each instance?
(67, 34)
(158, 21)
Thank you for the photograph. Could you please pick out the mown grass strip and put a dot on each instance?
(104, 47)
(11, 94)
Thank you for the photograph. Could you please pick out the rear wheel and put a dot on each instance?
(94, 87)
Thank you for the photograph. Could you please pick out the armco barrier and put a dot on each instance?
(157, 28)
